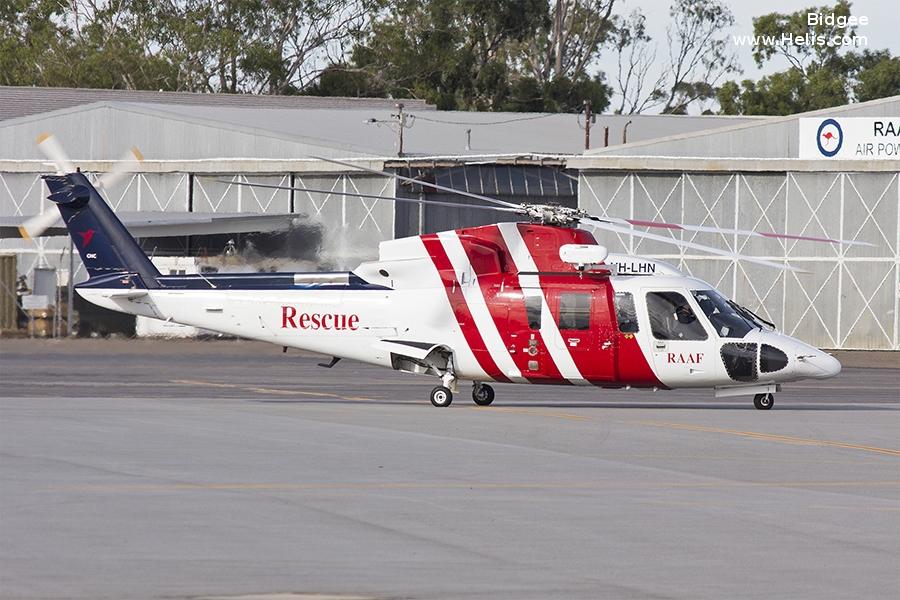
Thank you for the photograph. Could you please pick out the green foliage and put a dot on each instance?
(820, 75)
(796, 24)
(878, 76)
(238, 46)
(514, 55)
(460, 55)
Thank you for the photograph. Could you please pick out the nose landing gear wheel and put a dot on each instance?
(483, 394)
(441, 396)
(764, 401)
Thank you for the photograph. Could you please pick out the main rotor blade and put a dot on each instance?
(420, 182)
(601, 224)
(52, 149)
(358, 195)
(745, 232)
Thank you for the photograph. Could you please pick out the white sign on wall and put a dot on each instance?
(35, 302)
(850, 138)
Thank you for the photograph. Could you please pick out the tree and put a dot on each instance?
(465, 55)
(802, 57)
(568, 40)
(698, 52)
(238, 46)
(46, 42)
(450, 52)
(635, 58)
(877, 75)
(784, 93)
(698, 58)
(820, 75)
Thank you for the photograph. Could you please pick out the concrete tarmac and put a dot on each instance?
(138, 469)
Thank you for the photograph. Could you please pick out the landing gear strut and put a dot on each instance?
(442, 395)
(482, 394)
(764, 401)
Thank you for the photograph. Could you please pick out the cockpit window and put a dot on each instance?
(723, 315)
(671, 317)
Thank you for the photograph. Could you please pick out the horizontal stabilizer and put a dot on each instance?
(125, 294)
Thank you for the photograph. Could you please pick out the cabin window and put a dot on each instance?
(740, 361)
(533, 306)
(723, 315)
(626, 314)
(671, 317)
(575, 311)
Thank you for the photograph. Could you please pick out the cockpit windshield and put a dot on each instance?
(727, 318)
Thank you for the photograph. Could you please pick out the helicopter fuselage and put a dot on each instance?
(496, 303)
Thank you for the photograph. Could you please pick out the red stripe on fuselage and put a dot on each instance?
(543, 244)
(508, 311)
(460, 308)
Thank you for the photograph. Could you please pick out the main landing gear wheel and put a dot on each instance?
(441, 396)
(764, 401)
(483, 394)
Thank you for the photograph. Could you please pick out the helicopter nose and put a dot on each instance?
(816, 364)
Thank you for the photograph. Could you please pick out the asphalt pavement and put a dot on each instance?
(226, 469)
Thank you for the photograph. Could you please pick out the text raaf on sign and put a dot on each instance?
(849, 138)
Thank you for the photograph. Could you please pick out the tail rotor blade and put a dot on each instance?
(53, 150)
(129, 163)
(38, 224)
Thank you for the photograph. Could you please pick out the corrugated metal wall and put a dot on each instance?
(352, 226)
(851, 296)
(511, 183)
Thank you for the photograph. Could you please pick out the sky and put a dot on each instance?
(881, 30)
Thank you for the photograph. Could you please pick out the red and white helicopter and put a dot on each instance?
(537, 302)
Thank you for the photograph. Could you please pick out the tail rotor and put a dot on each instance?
(49, 145)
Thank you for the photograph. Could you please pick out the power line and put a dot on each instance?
(475, 123)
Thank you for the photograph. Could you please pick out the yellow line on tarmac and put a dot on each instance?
(771, 437)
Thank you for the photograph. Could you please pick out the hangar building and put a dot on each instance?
(710, 170)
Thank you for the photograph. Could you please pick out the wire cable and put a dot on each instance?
(502, 122)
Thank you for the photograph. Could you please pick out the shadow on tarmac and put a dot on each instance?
(594, 405)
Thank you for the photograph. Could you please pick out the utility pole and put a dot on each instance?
(401, 122)
(587, 124)
(625, 132)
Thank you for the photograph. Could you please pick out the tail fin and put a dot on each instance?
(105, 246)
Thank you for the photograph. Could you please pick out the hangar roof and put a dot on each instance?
(178, 131)
(770, 138)
(20, 101)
